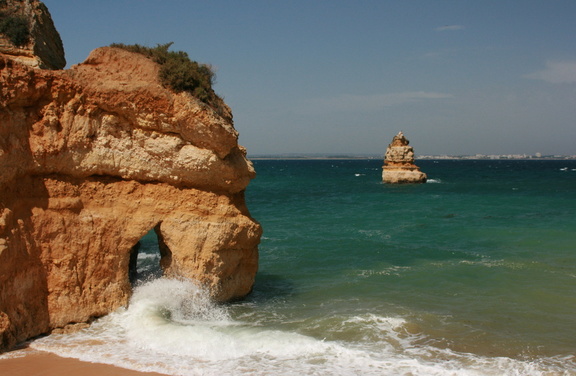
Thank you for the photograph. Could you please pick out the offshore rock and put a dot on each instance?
(29, 36)
(91, 159)
(399, 167)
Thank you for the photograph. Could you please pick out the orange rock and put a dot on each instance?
(91, 159)
(399, 164)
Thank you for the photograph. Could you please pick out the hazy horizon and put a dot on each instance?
(343, 77)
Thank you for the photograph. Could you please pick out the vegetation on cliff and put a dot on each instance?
(179, 73)
(15, 28)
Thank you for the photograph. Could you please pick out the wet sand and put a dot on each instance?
(28, 362)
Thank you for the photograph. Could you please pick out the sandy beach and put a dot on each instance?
(29, 362)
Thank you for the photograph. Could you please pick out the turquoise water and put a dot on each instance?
(472, 273)
(481, 259)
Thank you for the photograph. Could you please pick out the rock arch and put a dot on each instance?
(140, 268)
(80, 234)
(90, 160)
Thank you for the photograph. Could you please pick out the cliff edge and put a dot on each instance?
(91, 159)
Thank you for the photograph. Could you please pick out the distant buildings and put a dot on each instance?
(498, 156)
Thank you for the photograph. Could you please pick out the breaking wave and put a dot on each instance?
(172, 326)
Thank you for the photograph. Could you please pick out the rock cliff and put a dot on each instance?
(28, 35)
(91, 159)
(399, 164)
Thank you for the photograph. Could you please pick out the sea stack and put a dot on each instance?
(399, 167)
(91, 159)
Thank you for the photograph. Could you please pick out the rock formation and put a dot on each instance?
(28, 35)
(91, 159)
(399, 164)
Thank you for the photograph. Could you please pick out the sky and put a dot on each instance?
(458, 77)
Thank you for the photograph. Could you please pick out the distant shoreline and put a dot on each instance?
(421, 158)
(280, 157)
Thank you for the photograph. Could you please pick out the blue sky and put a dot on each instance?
(343, 77)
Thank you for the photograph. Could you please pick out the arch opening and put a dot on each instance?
(148, 258)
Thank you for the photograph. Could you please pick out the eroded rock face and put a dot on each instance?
(91, 159)
(40, 45)
(399, 167)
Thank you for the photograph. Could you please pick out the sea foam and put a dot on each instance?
(172, 327)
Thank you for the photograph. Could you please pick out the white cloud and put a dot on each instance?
(375, 102)
(556, 72)
(449, 28)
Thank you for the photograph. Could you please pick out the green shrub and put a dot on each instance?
(15, 28)
(179, 73)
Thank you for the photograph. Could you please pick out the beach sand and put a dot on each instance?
(28, 362)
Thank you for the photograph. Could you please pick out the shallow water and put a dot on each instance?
(472, 273)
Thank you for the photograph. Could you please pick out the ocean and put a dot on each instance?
(472, 273)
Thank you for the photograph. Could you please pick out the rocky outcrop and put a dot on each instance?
(28, 35)
(399, 167)
(91, 159)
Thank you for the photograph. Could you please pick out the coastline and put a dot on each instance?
(412, 326)
(31, 362)
(288, 157)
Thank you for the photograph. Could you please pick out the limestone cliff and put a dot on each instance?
(28, 35)
(91, 159)
(399, 164)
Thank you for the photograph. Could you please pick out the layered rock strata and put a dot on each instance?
(92, 159)
(399, 167)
